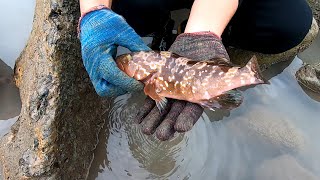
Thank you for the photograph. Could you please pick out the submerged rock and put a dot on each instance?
(281, 168)
(241, 57)
(61, 115)
(270, 129)
(309, 76)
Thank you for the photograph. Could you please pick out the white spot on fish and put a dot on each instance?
(233, 70)
(194, 89)
(160, 78)
(183, 84)
(166, 83)
(201, 65)
(166, 54)
(169, 78)
(242, 82)
(252, 80)
(206, 95)
(191, 73)
(220, 73)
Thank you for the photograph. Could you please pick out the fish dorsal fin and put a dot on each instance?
(214, 62)
(220, 62)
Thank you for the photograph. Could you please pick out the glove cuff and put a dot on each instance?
(200, 46)
(198, 35)
(94, 8)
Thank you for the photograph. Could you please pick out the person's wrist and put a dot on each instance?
(86, 5)
(90, 10)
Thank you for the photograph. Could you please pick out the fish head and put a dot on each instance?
(136, 66)
(124, 64)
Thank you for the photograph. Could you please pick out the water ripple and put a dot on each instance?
(224, 145)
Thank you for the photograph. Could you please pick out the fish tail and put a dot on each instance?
(253, 66)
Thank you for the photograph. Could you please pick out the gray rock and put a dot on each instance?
(61, 115)
(283, 167)
(309, 76)
(315, 6)
(241, 57)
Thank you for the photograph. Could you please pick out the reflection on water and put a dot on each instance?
(6, 124)
(16, 25)
(10, 104)
(276, 126)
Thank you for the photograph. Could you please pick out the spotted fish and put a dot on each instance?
(210, 84)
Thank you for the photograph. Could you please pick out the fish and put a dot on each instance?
(211, 84)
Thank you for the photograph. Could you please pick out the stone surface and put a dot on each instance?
(312, 54)
(61, 115)
(315, 6)
(309, 76)
(283, 167)
(241, 57)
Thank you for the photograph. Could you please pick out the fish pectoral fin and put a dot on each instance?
(228, 100)
(162, 104)
(150, 90)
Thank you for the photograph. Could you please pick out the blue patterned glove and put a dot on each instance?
(101, 32)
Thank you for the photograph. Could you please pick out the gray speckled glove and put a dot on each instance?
(180, 116)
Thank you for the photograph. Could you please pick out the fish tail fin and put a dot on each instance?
(253, 66)
(228, 100)
(162, 104)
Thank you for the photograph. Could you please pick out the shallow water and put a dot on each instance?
(16, 25)
(275, 127)
(218, 147)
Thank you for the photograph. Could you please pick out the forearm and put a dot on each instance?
(211, 15)
(85, 5)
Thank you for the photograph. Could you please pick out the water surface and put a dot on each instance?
(276, 124)
(16, 24)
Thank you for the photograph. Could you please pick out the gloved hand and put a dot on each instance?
(101, 32)
(180, 116)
